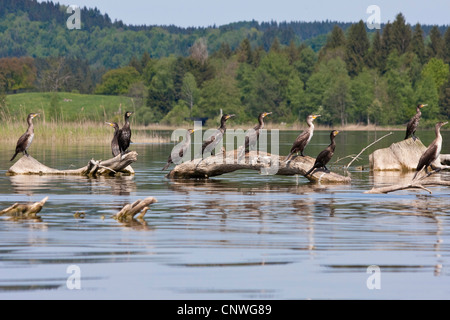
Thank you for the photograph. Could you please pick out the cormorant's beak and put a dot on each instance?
(230, 116)
(445, 123)
(109, 123)
(35, 115)
(423, 105)
(267, 113)
(316, 116)
(336, 132)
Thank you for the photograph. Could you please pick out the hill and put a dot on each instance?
(38, 29)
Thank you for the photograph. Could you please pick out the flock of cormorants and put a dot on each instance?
(122, 139)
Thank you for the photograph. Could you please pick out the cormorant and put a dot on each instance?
(25, 140)
(303, 139)
(253, 135)
(212, 142)
(412, 125)
(433, 151)
(325, 156)
(124, 135)
(114, 142)
(184, 147)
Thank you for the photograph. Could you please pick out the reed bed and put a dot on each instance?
(85, 132)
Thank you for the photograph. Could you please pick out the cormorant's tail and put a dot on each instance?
(288, 157)
(310, 170)
(166, 166)
(15, 154)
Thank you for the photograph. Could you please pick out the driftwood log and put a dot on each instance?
(402, 156)
(129, 211)
(27, 165)
(265, 163)
(24, 211)
(419, 183)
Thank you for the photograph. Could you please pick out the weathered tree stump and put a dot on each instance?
(120, 164)
(24, 211)
(265, 163)
(130, 210)
(400, 156)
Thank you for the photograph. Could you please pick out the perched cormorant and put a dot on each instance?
(325, 156)
(25, 140)
(124, 135)
(212, 142)
(412, 125)
(433, 151)
(253, 135)
(303, 139)
(114, 142)
(186, 144)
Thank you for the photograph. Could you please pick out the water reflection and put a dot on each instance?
(241, 235)
(38, 184)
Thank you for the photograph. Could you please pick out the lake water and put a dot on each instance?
(238, 236)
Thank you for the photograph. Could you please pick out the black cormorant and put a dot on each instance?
(303, 139)
(325, 156)
(412, 125)
(186, 144)
(124, 136)
(252, 136)
(212, 142)
(115, 142)
(25, 140)
(433, 151)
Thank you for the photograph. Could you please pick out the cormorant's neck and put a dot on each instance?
(310, 124)
(223, 125)
(30, 124)
(437, 130)
(418, 111)
(188, 138)
(333, 143)
(261, 122)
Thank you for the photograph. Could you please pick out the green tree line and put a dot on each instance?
(357, 77)
(341, 70)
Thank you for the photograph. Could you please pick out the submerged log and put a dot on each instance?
(24, 211)
(130, 210)
(400, 156)
(265, 163)
(27, 165)
(422, 184)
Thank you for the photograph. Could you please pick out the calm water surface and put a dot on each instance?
(238, 236)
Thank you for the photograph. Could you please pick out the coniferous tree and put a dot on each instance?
(386, 46)
(336, 38)
(357, 48)
(400, 35)
(446, 55)
(417, 44)
(435, 47)
(334, 46)
(374, 57)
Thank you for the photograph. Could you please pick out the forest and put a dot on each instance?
(343, 71)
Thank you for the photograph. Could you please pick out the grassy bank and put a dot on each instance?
(85, 132)
(66, 107)
(71, 117)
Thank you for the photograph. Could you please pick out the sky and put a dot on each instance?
(202, 13)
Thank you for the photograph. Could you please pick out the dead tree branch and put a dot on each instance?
(119, 164)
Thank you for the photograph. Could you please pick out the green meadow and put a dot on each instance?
(69, 117)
